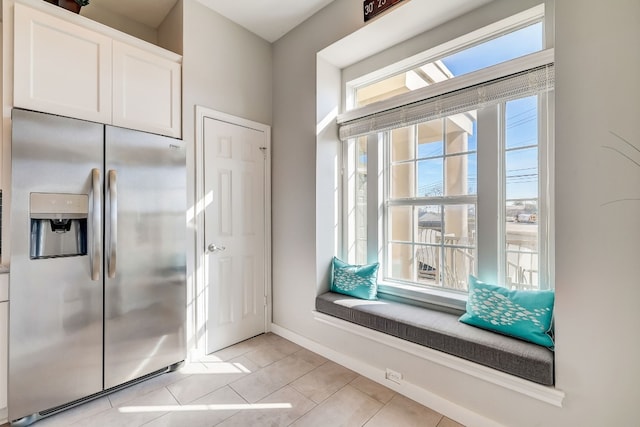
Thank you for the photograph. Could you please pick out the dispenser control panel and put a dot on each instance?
(46, 205)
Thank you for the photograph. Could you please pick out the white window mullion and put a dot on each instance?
(501, 206)
(348, 201)
(383, 195)
(490, 195)
(374, 187)
(546, 193)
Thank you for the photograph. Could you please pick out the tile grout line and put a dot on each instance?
(173, 395)
(236, 412)
(374, 414)
(164, 413)
(377, 383)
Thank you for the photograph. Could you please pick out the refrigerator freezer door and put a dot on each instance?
(145, 243)
(55, 340)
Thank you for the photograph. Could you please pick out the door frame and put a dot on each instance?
(200, 297)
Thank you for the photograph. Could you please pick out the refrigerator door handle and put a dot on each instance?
(97, 225)
(113, 234)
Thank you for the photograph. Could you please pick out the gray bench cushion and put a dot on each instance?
(442, 331)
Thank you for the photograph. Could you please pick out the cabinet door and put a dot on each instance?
(146, 91)
(60, 67)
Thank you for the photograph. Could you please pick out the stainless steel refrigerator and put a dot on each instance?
(97, 285)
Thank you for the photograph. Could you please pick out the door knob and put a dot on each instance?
(213, 248)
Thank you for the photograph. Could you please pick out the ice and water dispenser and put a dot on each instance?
(58, 225)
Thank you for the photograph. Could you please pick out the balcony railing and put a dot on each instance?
(448, 260)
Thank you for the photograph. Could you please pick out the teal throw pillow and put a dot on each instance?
(360, 281)
(521, 314)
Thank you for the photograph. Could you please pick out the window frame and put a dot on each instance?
(417, 201)
(490, 265)
(490, 243)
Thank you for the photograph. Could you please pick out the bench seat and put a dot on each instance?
(442, 331)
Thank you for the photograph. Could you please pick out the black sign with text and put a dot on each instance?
(373, 8)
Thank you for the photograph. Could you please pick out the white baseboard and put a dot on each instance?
(419, 394)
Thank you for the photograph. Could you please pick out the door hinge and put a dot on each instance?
(264, 151)
(265, 300)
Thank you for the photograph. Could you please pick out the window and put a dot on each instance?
(431, 202)
(482, 55)
(521, 170)
(446, 170)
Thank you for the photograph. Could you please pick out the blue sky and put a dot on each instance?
(513, 45)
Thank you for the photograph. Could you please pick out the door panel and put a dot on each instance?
(235, 267)
(146, 91)
(145, 300)
(55, 346)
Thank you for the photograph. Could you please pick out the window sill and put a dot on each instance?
(425, 297)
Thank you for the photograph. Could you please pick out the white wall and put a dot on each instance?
(294, 160)
(226, 68)
(597, 244)
(597, 346)
(120, 22)
(170, 30)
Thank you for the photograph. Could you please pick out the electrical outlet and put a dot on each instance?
(392, 375)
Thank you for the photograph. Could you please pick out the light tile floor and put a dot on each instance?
(264, 381)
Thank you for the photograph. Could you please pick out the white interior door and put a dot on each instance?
(235, 236)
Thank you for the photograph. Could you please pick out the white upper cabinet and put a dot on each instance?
(60, 67)
(146, 91)
(68, 65)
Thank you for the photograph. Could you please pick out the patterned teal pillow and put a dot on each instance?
(521, 314)
(360, 281)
